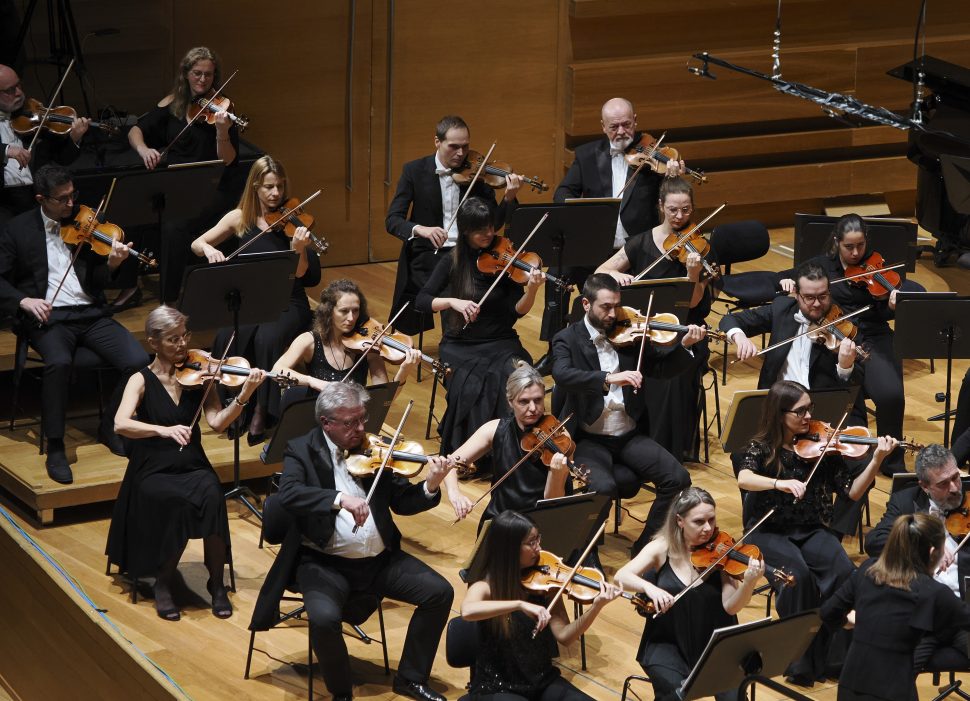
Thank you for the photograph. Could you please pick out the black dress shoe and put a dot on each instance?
(58, 468)
(253, 439)
(413, 690)
(544, 366)
(113, 442)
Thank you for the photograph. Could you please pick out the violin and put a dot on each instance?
(549, 573)
(394, 346)
(58, 121)
(553, 443)
(958, 519)
(200, 366)
(851, 442)
(212, 107)
(292, 218)
(680, 246)
(736, 561)
(494, 173)
(644, 152)
(89, 227)
(407, 460)
(493, 260)
(879, 284)
(832, 336)
(664, 328)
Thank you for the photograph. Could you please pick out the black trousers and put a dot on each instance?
(668, 669)
(559, 690)
(645, 458)
(66, 331)
(883, 384)
(327, 582)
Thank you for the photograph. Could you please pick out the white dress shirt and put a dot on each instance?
(951, 575)
(620, 170)
(614, 421)
(13, 174)
(450, 197)
(59, 260)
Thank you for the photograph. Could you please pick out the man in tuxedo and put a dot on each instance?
(598, 384)
(19, 162)
(330, 561)
(424, 204)
(33, 262)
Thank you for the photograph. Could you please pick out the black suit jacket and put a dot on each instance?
(307, 492)
(48, 149)
(591, 175)
(23, 264)
(580, 381)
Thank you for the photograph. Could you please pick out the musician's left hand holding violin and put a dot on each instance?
(694, 266)
(847, 353)
(513, 182)
(301, 237)
(438, 468)
(675, 168)
(695, 334)
(892, 299)
(79, 127)
(119, 253)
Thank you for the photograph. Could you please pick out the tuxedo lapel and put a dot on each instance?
(432, 189)
(586, 347)
(605, 169)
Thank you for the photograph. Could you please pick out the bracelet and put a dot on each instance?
(775, 485)
(236, 400)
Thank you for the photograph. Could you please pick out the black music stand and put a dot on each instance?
(934, 328)
(180, 191)
(670, 295)
(579, 233)
(895, 239)
(744, 655)
(249, 289)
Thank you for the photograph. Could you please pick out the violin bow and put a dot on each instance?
(471, 186)
(868, 272)
(375, 342)
(821, 455)
(650, 153)
(208, 387)
(268, 228)
(537, 446)
(508, 265)
(50, 105)
(198, 114)
(387, 456)
(573, 571)
(805, 333)
(680, 240)
(646, 332)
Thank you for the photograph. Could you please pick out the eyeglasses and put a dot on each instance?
(812, 299)
(533, 543)
(12, 90)
(174, 339)
(672, 211)
(199, 75)
(64, 199)
(347, 425)
(801, 411)
(614, 127)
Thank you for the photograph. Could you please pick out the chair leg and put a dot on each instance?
(380, 618)
(434, 394)
(632, 678)
(249, 653)
(309, 667)
(577, 612)
(232, 570)
(421, 348)
(616, 515)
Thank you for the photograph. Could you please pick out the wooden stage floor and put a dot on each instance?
(206, 656)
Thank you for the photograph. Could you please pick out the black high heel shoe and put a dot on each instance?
(171, 613)
(221, 606)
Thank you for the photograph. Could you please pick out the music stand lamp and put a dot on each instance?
(249, 289)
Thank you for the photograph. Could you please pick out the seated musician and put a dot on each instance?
(797, 537)
(518, 635)
(329, 562)
(263, 344)
(961, 424)
(170, 492)
(19, 162)
(596, 383)
(424, 205)
(672, 643)
(61, 305)
(482, 354)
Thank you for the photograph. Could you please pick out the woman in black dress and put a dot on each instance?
(263, 344)
(894, 602)
(796, 537)
(512, 664)
(479, 343)
(170, 492)
(673, 642)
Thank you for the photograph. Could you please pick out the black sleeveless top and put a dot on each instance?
(527, 484)
(641, 250)
(320, 368)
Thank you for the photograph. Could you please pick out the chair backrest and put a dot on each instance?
(740, 241)
(461, 642)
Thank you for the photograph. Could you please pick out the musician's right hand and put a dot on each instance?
(627, 377)
(660, 598)
(743, 347)
(468, 309)
(434, 234)
(38, 308)
(787, 284)
(537, 612)
(793, 487)
(180, 434)
(150, 157)
(212, 254)
(19, 154)
(356, 506)
(623, 278)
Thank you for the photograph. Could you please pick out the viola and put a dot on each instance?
(58, 121)
(200, 366)
(664, 328)
(393, 346)
(879, 284)
(832, 336)
(493, 260)
(851, 442)
(736, 561)
(494, 173)
(407, 460)
(549, 574)
(89, 227)
(212, 107)
(293, 217)
(553, 443)
(644, 152)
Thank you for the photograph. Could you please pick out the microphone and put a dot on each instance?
(702, 71)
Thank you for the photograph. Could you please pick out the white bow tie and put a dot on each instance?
(442, 171)
(614, 152)
(800, 318)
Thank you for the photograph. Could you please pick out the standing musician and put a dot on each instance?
(513, 662)
(20, 163)
(199, 75)
(961, 424)
(33, 262)
(263, 344)
(672, 642)
(424, 204)
(894, 602)
(481, 354)
(797, 537)
(329, 562)
(170, 492)
(598, 384)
